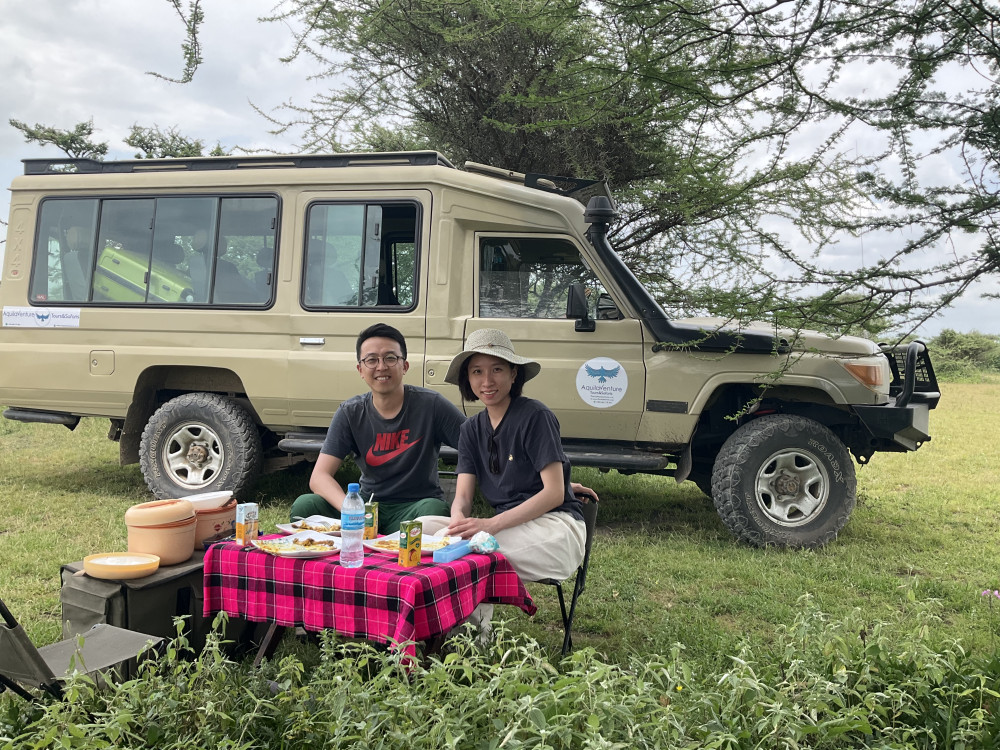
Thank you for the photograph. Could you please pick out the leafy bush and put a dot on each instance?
(965, 356)
(825, 685)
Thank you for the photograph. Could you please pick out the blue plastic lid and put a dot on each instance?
(354, 487)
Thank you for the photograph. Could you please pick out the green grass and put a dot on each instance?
(664, 568)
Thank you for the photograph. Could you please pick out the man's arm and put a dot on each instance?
(323, 483)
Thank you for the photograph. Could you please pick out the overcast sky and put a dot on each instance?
(68, 61)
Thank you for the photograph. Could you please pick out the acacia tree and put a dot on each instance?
(729, 130)
(705, 117)
(152, 142)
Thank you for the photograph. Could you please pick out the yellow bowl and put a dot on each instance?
(120, 565)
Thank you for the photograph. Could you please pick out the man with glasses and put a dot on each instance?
(394, 432)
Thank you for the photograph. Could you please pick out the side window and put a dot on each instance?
(64, 251)
(360, 255)
(529, 277)
(125, 243)
(163, 251)
(244, 265)
(182, 250)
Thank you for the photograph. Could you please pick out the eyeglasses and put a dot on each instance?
(494, 456)
(372, 360)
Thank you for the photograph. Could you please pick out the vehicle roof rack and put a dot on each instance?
(209, 163)
(572, 187)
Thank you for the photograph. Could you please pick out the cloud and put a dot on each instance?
(73, 61)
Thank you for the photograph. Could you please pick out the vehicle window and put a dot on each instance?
(63, 262)
(360, 255)
(172, 250)
(529, 277)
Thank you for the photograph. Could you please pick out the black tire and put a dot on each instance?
(784, 480)
(199, 442)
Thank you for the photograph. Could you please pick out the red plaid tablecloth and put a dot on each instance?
(380, 601)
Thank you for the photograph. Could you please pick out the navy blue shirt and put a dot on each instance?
(525, 442)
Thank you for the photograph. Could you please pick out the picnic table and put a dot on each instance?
(380, 601)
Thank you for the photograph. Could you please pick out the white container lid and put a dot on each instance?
(209, 500)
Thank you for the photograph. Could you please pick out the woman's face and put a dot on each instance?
(490, 378)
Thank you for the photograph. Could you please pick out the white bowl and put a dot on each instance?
(209, 500)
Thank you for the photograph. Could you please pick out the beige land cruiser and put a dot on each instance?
(209, 307)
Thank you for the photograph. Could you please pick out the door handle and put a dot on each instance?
(312, 340)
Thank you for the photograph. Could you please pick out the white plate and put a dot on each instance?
(291, 546)
(209, 500)
(425, 541)
(293, 527)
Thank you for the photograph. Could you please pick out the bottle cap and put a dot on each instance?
(354, 487)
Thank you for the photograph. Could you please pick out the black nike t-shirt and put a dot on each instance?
(398, 457)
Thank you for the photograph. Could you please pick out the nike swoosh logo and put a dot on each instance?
(372, 460)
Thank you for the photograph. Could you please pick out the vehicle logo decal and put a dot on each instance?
(41, 317)
(602, 382)
(602, 373)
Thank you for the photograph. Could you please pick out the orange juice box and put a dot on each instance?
(371, 520)
(246, 523)
(410, 535)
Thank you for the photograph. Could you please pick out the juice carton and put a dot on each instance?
(371, 520)
(246, 523)
(410, 535)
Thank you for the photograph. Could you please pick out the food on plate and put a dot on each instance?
(284, 546)
(332, 525)
(391, 543)
(310, 543)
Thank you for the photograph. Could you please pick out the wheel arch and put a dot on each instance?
(733, 404)
(157, 385)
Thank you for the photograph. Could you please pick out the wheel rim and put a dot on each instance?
(792, 487)
(193, 455)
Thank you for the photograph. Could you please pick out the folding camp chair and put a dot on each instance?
(590, 519)
(104, 648)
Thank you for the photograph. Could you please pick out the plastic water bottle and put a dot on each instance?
(352, 527)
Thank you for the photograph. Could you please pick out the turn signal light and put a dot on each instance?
(869, 375)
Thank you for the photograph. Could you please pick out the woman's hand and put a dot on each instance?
(579, 489)
(467, 527)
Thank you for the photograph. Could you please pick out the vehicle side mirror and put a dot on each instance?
(576, 308)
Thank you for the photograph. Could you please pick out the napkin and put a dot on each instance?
(483, 543)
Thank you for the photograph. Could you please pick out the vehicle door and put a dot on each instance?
(594, 380)
(359, 265)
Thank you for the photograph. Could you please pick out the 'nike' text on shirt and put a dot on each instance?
(389, 445)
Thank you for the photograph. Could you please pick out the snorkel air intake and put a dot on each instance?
(599, 214)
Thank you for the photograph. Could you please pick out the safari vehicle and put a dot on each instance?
(209, 308)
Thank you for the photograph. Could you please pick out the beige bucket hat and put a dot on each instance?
(495, 343)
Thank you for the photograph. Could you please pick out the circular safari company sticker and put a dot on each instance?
(602, 382)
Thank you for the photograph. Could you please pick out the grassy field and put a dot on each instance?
(664, 569)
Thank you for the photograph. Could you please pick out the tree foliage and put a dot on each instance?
(191, 46)
(830, 163)
(750, 144)
(151, 142)
(75, 143)
(965, 356)
(154, 143)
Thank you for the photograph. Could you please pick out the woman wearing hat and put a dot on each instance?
(513, 448)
